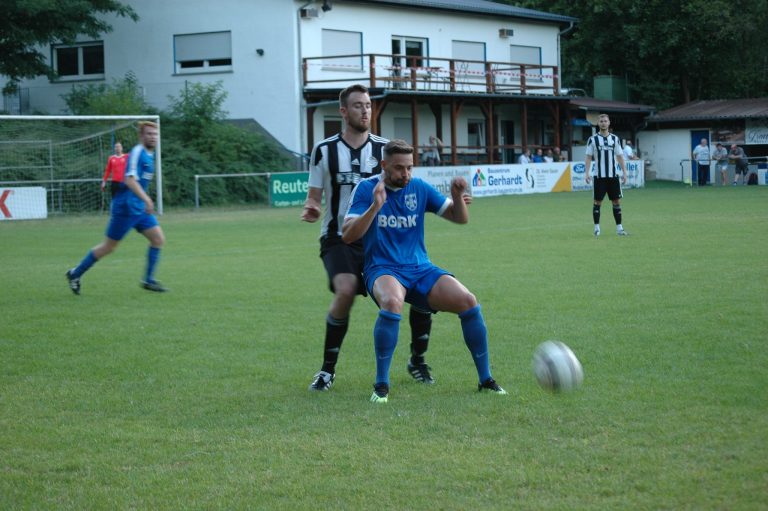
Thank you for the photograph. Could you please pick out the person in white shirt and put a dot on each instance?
(629, 152)
(701, 154)
(525, 158)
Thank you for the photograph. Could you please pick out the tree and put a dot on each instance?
(671, 51)
(122, 97)
(26, 25)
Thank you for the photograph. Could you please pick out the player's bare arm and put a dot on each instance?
(587, 167)
(136, 188)
(458, 211)
(312, 205)
(355, 227)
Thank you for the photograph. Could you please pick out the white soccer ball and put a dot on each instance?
(556, 367)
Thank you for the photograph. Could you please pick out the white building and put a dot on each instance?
(482, 76)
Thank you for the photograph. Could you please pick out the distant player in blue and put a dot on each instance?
(387, 211)
(132, 208)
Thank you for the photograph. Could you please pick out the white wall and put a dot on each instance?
(265, 88)
(665, 149)
(379, 23)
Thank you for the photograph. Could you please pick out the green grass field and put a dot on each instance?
(197, 399)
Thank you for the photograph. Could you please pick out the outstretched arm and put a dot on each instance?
(458, 211)
(355, 227)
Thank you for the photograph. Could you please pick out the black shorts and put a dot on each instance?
(609, 185)
(114, 186)
(338, 257)
(741, 167)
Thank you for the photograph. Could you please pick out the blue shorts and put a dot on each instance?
(119, 225)
(418, 281)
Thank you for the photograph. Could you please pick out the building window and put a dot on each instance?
(403, 128)
(342, 42)
(464, 51)
(411, 47)
(209, 52)
(476, 134)
(331, 126)
(527, 55)
(82, 61)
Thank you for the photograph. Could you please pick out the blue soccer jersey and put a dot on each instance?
(396, 236)
(141, 165)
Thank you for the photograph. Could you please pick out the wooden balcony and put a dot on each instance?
(429, 75)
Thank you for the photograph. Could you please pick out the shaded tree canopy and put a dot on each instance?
(26, 25)
(670, 51)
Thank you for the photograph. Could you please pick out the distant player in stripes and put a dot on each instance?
(388, 212)
(604, 148)
(337, 164)
(132, 208)
(115, 169)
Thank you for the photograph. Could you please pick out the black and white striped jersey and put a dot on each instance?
(603, 151)
(337, 168)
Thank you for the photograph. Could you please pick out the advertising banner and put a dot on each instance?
(635, 175)
(25, 203)
(288, 189)
(491, 180)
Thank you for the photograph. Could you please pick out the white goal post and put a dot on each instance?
(67, 154)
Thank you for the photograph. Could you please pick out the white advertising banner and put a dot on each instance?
(490, 180)
(24, 203)
(756, 132)
(635, 175)
(516, 179)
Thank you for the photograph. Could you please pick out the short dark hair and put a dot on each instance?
(344, 94)
(397, 146)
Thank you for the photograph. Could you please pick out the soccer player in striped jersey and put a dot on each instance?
(388, 212)
(132, 208)
(337, 164)
(604, 148)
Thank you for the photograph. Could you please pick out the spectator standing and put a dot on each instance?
(720, 156)
(740, 161)
(525, 158)
(702, 156)
(549, 157)
(629, 151)
(539, 156)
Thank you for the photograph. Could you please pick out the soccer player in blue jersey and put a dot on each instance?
(132, 208)
(387, 212)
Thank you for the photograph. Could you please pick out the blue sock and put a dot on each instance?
(385, 334)
(153, 254)
(476, 339)
(88, 261)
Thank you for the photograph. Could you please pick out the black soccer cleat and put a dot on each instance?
(420, 372)
(322, 382)
(74, 282)
(490, 385)
(154, 286)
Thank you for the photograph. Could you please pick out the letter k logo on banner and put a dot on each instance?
(3, 207)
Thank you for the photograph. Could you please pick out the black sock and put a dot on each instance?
(617, 213)
(335, 330)
(596, 213)
(421, 326)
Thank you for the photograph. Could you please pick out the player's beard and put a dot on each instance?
(359, 125)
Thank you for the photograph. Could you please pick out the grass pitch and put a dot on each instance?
(197, 399)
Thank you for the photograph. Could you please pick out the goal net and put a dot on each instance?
(66, 155)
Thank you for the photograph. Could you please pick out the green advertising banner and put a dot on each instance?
(288, 189)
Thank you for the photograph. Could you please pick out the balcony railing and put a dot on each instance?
(429, 74)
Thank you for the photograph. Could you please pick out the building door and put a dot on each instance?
(696, 137)
(507, 134)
